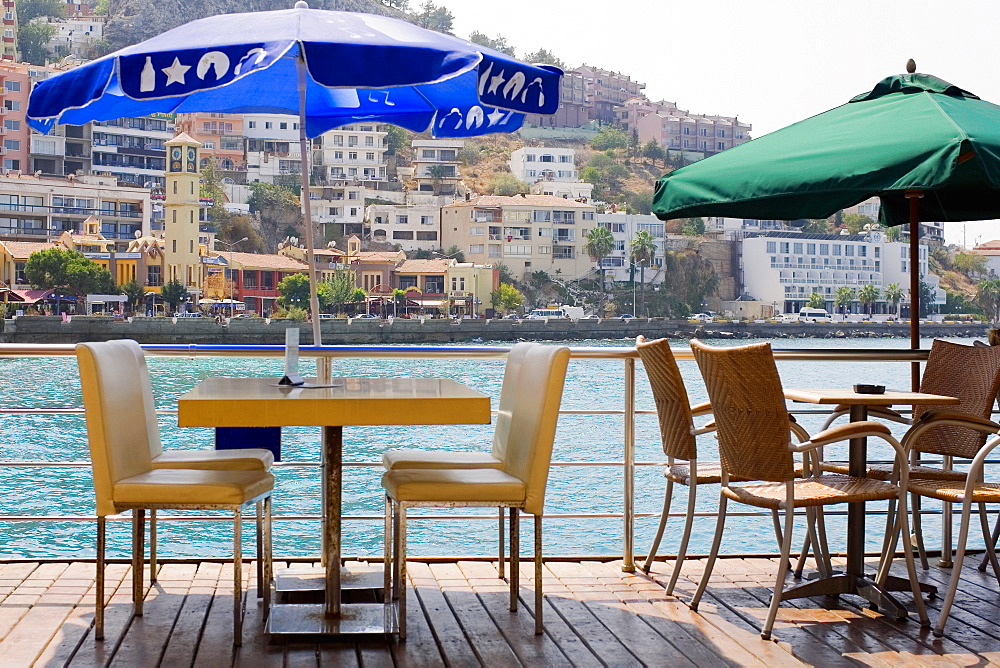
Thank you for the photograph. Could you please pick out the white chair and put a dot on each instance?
(393, 460)
(518, 485)
(123, 435)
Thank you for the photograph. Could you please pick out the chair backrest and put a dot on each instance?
(533, 420)
(508, 389)
(672, 407)
(749, 409)
(971, 373)
(121, 421)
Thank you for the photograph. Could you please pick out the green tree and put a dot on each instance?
(401, 5)
(693, 227)
(68, 271)
(640, 203)
(173, 292)
(396, 138)
(544, 57)
(892, 233)
(855, 222)
(816, 300)
(845, 296)
(506, 298)
(600, 243)
(867, 295)
(32, 38)
(642, 248)
(134, 294)
(894, 295)
(455, 252)
(689, 279)
(31, 9)
(340, 290)
(816, 226)
(970, 264)
(506, 275)
(498, 43)
(506, 184)
(278, 210)
(434, 17)
(609, 138)
(653, 151)
(988, 296)
(294, 291)
(438, 173)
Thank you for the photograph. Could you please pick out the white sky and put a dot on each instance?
(769, 62)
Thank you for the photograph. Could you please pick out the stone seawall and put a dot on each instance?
(42, 329)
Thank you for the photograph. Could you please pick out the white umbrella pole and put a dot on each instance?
(306, 208)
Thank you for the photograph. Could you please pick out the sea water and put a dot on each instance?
(598, 384)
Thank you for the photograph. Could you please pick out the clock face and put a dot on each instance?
(191, 153)
(175, 166)
(176, 153)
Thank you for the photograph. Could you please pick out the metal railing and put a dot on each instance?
(326, 354)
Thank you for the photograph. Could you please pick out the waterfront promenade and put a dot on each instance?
(257, 331)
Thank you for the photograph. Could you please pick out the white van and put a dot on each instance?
(814, 315)
(544, 313)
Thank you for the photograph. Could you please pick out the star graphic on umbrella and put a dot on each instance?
(495, 116)
(495, 82)
(175, 73)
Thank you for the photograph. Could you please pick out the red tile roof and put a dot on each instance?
(263, 261)
(20, 250)
(435, 266)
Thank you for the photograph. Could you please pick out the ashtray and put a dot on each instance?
(869, 389)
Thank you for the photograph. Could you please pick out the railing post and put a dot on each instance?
(628, 531)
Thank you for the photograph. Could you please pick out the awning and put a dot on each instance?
(430, 303)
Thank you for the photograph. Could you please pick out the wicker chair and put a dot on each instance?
(749, 407)
(971, 373)
(678, 434)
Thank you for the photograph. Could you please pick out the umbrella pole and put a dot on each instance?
(306, 208)
(914, 197)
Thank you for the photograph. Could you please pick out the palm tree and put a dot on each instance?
(599, 245)
(867, 296)
(894, 295)
(642, 248)
(845, 296)
(816, 300)
(988, 296)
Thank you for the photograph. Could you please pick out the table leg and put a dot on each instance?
(857, 467)
(333, 474)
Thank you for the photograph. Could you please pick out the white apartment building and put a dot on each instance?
(679, 130)
(272, 153)
(351, 152)
(414, 225)
(435, 165)
(527, 233)
(549, 171)
(785, 268)
(340, 204)
(132, 149)
(623, 228)
(77, 36)
(41, 208)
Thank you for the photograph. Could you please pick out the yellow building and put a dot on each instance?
(181, 247)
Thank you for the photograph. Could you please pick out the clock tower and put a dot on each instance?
(182, 256)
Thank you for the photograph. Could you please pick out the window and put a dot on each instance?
(849, 251)
(369, 141)
(426, 220)
(564, 217)
(338, 155)
(587, 215)
(12, 105)
(531, 173)
(772, 246)
(545, 231)
(545, 250)
(402, 220)
(402, 234)
(785, 246)
(518, 250)
(267, 125)
(12, 144)
(837, 249)
(154, 276)
(565, 158)
(334, 210)
(811, 249)
(12, 86)
(352, 140)
(12, 125)
(283, 126)
(474, 248)
(352, 155)
(703, 132)
(338, 140)
(427, 236)
(529, 158)
(721, 145)
(351, 194)
(564, 253)
(354, 211)
(477, 231)
(862, 251)
(540, 216)
(797, 248)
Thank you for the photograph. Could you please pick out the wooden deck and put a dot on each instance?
(595, 615)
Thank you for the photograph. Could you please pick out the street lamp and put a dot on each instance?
(232, 288)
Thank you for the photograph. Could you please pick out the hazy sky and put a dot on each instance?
(770, 62)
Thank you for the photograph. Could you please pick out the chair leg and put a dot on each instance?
(918, 530)
(911, 568)
(500, 542)
(238, 577)
(956, 573)
(515, 557)
(685, 539)
(946, 530)
(889, 549)
(664, 514)
(152, 545)
(138, 554)
(720, 526)
(268, 555)
(260, 550)
(992, 544)
(779, 583)
(539, 628)
(822, 564)
(401, 560)
(991, 554)
(800, 564)
(397, 539)
(387, 555)
(99, 603)
(777, 534)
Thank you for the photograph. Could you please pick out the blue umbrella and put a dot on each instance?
(329, 68)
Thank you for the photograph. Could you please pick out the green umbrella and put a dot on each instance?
(928, 149)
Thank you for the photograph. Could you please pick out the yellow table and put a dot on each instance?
(854, 581)
(260, 402)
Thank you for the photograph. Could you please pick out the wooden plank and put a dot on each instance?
(79, 619)
(117, 618)
(257, 649)
(215, 648)
(482, 634)
(635, 602)
(149, 635)
(18, 600)
(447, 631)
(37, 627)
(569, 606)
(420, 650)
(518, 629)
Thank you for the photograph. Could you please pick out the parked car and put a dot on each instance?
(366, 316)
(625, 317)
(701, 317)
(188, 315)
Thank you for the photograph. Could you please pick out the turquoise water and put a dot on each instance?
(53, 382)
